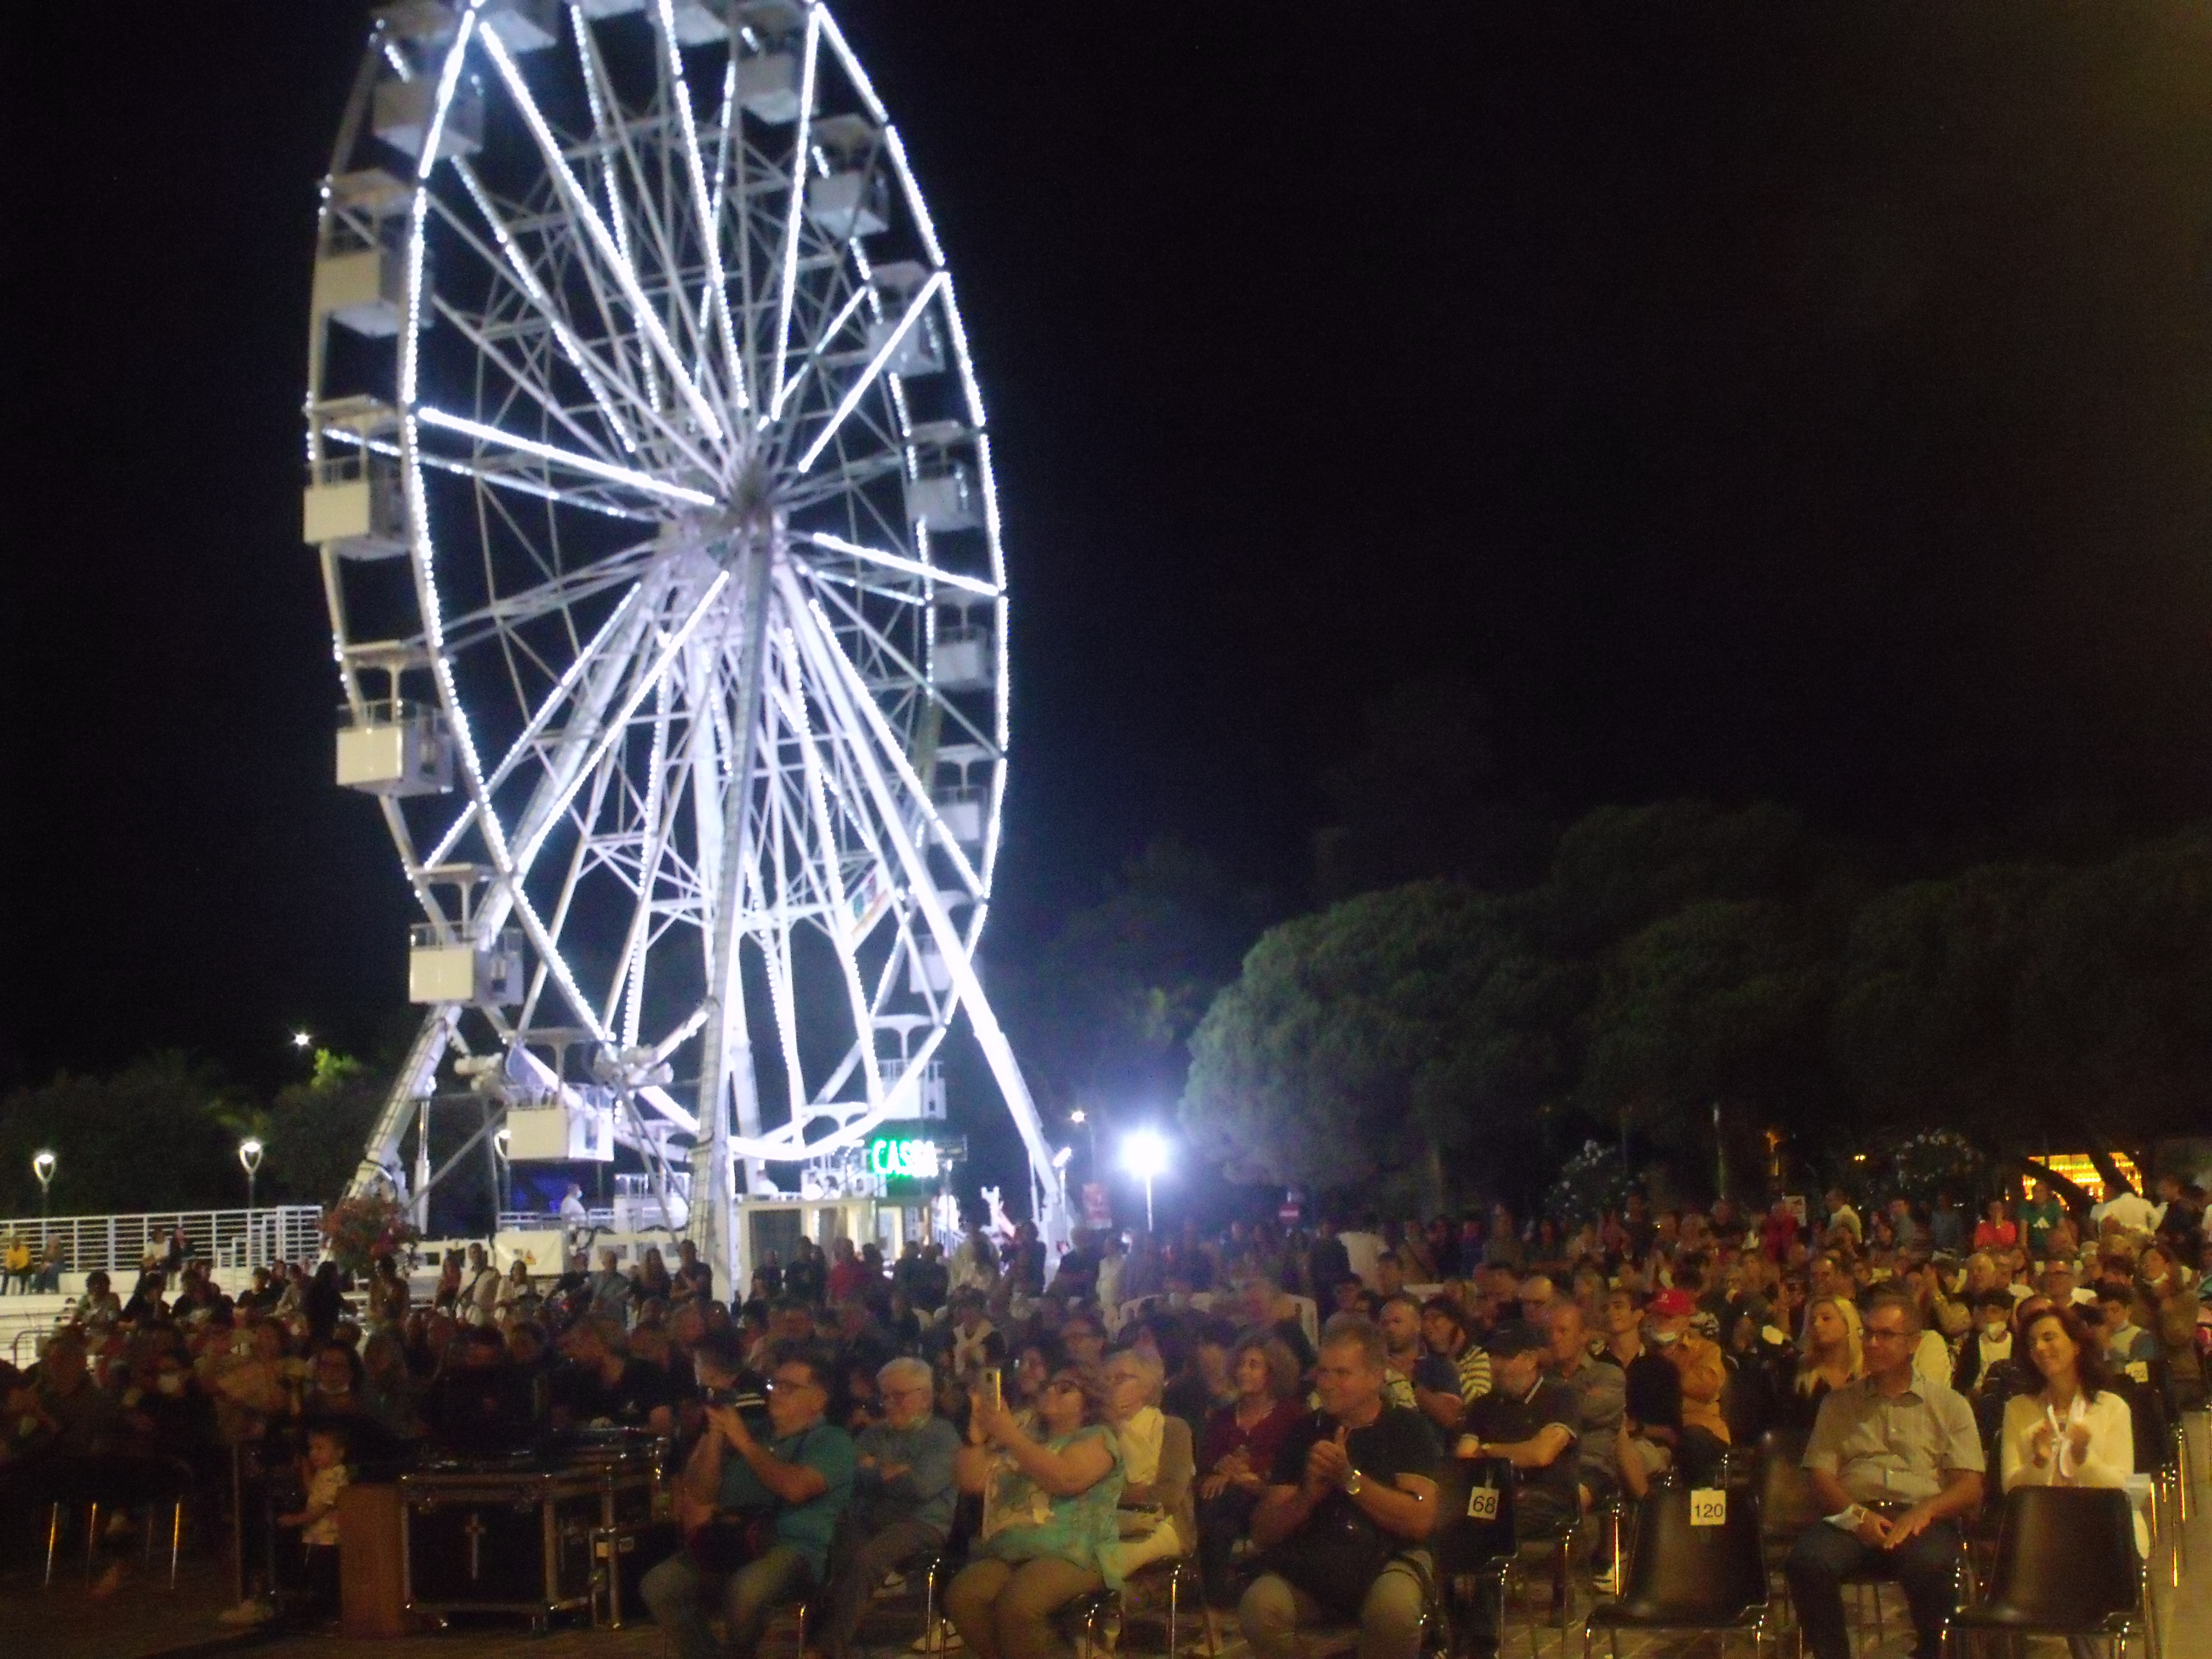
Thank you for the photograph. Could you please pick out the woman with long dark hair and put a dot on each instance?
(2075, 1429)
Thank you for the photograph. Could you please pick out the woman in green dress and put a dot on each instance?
(1048, 1515)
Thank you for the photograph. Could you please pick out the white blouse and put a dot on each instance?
(2110, 1460)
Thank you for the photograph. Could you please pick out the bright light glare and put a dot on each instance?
(301, 1040)
(1059, 1159)
(43, 1164)
(1145, 1155)
(1076, 1117)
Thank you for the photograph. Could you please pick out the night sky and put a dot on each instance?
(1811, 402)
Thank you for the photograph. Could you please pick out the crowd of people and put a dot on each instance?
(1282, 1410)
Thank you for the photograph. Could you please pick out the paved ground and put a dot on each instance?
(145, 1618)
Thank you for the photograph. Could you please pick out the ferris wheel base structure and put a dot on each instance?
(653, 494)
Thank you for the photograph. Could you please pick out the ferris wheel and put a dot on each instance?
(652, 492)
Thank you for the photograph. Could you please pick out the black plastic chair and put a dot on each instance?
(2157, 1463)
(1687, 1575)
(2066, 1566)
(1470, 1547)
(1787, 1503)
(113, 1482)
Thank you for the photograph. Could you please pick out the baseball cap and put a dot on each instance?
(1672, 1305)
(1513, 1336)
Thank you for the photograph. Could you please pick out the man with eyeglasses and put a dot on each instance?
(757, 1515)
(1895, 1460)
(903, 1498)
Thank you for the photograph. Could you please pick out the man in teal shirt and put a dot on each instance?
(2036, 1217)
(797, 1482)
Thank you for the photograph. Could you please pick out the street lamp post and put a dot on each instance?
(249, 1158)
(42, 1165)
(500, 1141)
(1145, 1155)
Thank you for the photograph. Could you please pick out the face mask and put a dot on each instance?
(1666, 1339)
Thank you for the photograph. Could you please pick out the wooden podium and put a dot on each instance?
(371, 1562)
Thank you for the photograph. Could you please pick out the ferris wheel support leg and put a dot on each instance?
(379, 1160)
(834, 671)
(727, 1083)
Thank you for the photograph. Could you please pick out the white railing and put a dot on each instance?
(230, 1238)
(536, 1221)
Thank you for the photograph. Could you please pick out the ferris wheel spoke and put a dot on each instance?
(615, 136)
(898, 659)
(581, 209)
(534, 728)
(814, 356)
(850, 692)
(641, 686)
(601, 683)
(627, 984)
(839, 927)
(899, 563)
(710, 235)
(590, 465)
(717, 202)
(522, 378)
(600, 377)
(923, 297)
(775, 953)
(557, 595)
(598, 92)
(787, 276)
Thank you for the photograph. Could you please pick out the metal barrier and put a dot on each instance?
(232, 1238)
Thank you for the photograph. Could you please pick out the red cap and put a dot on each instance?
(1672, 1305)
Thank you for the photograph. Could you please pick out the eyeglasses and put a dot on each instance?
(790, 1384)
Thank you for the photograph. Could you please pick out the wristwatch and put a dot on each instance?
(1352, 1483)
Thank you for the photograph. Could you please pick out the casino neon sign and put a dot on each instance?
(902, 1159)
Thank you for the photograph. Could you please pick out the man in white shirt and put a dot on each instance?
(573, 1213)
(1364, 1248)
(1840, 1214)
(975, 1263)
(2130, 1210)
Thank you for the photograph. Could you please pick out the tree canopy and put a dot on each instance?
(1700, 977)
(162, 1133)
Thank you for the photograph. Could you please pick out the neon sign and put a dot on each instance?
(903, 1159)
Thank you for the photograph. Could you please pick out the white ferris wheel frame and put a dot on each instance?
(678, 521)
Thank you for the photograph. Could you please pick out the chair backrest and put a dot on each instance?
(2066, 1556)
(2149, 1412)
(1787, 1502)
(1466, 1540)
(1685, 1566)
